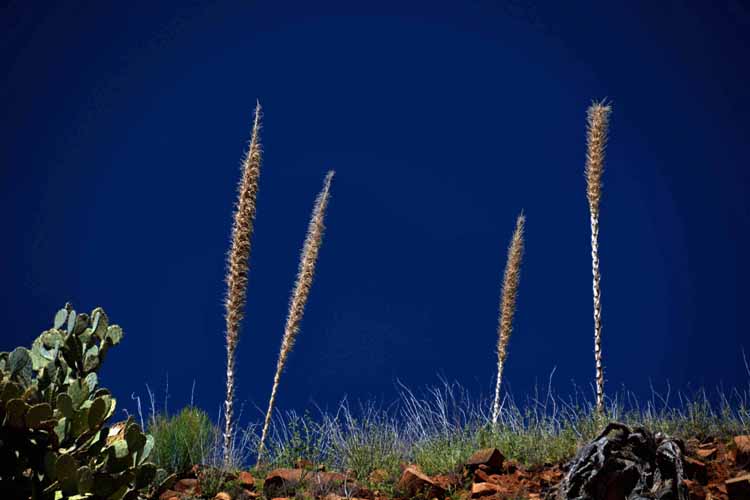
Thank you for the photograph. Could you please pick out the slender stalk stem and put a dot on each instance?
(597, 125)
(237, 269)
(300, 295)
(511, 279)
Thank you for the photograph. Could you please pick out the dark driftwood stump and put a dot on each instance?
(624, 463)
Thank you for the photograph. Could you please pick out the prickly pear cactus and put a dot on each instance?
(54, 442)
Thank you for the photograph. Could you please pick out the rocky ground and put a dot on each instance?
(708, 470)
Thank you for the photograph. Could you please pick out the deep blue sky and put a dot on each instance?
(123, 127)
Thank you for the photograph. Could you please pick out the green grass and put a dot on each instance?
(182, 440)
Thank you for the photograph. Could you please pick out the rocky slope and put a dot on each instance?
(707, 470)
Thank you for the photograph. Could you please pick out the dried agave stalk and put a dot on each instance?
(237, 268)
(299, 297)
(597, 124)
(509, 293)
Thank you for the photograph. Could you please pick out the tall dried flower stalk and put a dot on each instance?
(597, 124)
(299, 297)
(237, 267)
(509, 293)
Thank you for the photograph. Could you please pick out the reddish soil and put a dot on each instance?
(715, 471)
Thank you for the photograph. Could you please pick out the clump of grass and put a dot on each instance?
(298, 438)
(596, 139)
(301, 292)
(511, 278)
(444, 453)
(365, 442)
(182, 440)
(237, 267)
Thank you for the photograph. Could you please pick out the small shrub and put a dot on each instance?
(183, 440)
(301, 438)
(443, 454)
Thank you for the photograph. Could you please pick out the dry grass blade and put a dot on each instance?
(597, 126)
(237, 266)
(511, 279)
(299, 297)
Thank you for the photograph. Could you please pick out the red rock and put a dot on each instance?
(413, 482)
(188, 485)
(479, 490)
(696, 470)
(222, 496)
(695, 490)
(447, 481)
(510, 466)
(170, 495)
(521, 474)
(691, 445)
(481, 476)
(738, 488)
(246, 480)
(359, 491)
(490, 457)
(331, 477)
(497, 479)
(706, 453)
(742, 444)
(549, 476)
(281, 480)
(286, 481)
